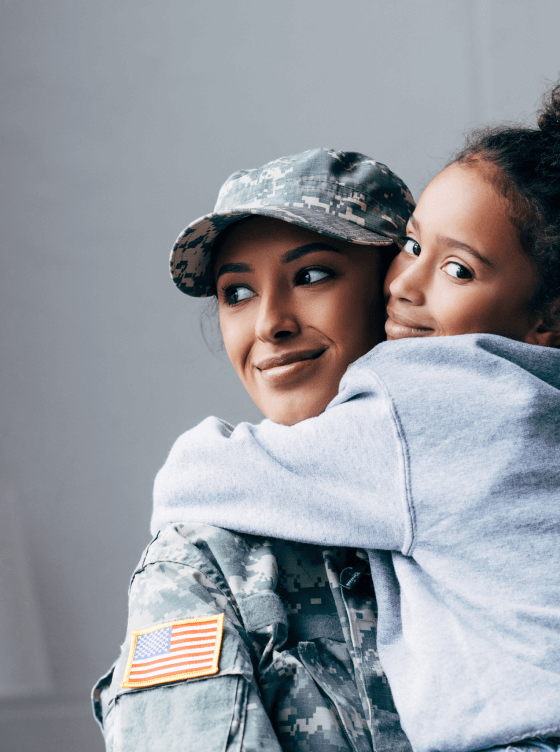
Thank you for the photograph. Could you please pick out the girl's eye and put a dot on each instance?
(457, 270)
(309, 276)
(411, 247)
(236, 293)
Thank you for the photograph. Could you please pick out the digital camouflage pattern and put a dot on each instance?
(345, 195)
(298, 668)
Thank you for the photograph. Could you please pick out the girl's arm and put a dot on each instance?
(337, 479)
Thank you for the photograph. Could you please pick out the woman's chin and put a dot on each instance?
(289, 410)
(290, 418)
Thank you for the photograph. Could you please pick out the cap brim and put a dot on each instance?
(191, 254)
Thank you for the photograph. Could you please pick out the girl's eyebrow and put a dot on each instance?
(289, 256)
(414, 222)
(452, 243)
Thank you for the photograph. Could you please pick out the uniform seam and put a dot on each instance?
(150, 544)
(142, 562)
(182, 564)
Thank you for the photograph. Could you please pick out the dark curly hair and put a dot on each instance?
(523, 164)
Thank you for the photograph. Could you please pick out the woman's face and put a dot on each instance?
(296, 308)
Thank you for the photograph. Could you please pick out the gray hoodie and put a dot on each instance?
(442, 457)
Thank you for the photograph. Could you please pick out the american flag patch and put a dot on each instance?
(175, 650)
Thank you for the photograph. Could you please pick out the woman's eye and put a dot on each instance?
(411, 247)
(309, 276)
(236, 293)
(457, 270)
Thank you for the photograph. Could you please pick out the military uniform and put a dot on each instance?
(297, 669)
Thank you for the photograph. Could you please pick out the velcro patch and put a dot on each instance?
(174, 650)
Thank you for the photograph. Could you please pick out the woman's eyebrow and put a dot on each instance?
(235, 268)
(292, 255)
(302, 250)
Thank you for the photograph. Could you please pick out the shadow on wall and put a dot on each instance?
(23, 664)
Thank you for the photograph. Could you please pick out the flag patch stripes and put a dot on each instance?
(174, 650)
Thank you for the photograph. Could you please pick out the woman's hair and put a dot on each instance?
(523, 164)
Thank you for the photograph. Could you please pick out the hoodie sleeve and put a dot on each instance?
(337, 479)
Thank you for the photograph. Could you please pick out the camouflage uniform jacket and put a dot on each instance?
(298, 665)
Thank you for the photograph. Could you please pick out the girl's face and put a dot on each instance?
(462, 269)
(296, 308)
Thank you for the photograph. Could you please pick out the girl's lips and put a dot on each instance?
(397, 327)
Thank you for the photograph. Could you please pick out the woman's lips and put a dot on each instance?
(399, 327)
(281, 368)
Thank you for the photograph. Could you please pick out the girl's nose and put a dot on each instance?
(408, 286)
(277, 318)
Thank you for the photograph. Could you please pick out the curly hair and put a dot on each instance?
(523, 164)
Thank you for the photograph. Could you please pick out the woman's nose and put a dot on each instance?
(408, 286)
(276, 319)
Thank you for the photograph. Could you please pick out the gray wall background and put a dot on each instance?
(120, 120)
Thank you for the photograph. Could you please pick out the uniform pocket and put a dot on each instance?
(190, 715)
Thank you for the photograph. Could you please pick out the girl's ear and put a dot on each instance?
(545, 336)
(550, 338)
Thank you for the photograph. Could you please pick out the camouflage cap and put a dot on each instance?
(345, 195)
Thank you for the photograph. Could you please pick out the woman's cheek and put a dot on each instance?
(392, 273)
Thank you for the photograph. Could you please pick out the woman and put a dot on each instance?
(294, 664)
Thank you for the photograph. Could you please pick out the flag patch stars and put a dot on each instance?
(175, 650)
